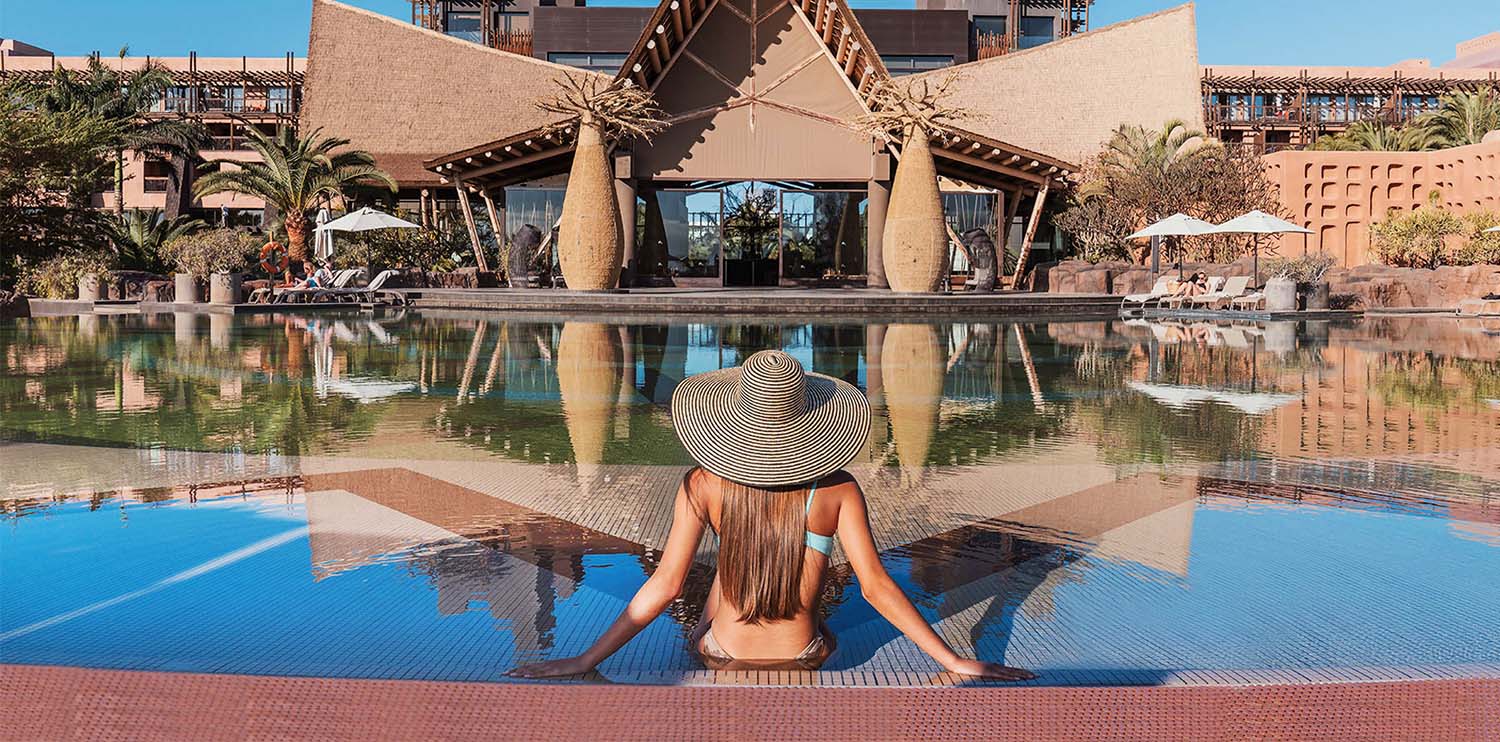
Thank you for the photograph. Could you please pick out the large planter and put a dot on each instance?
(224, 288)
(1314, 296)
(185, 288)
(914, 244)
(88, 288)
(589, 247)
(1281, 295)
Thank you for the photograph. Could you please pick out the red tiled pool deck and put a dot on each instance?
(55, 703)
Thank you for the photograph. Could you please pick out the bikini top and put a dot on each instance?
(817, 541)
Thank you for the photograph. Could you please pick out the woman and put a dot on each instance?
(321, 278)
(771, 442)
(1195, 285)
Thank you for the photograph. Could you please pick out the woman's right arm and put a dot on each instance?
(886, 596)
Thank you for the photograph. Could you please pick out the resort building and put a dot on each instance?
(1289, 107)
(228, 94)
(762, 177)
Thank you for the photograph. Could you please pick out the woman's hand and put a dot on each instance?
(552, 669)
(989, 670)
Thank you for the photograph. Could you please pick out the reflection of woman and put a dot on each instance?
(771, 441)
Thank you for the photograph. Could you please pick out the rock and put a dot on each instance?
(159, 291)
(982, 258)
(1097, 281)
(523, 244)
(14, 305)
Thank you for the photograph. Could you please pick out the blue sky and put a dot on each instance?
(1229, 31)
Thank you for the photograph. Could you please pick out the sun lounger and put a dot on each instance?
(1157, 291)
(1214, 284)
(340, 280)
(1252, 300)
(1233, 289)
(365, 294)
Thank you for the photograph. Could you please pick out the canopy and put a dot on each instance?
(1174, 225)
(1258, 222)
(323, 240)
(367, 219)
(1179, 396)
(1493, 229)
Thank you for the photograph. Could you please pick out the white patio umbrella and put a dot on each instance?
(1493, 229)
(1258, 222)
(365, 220)
(322, 239)
(1176, 225)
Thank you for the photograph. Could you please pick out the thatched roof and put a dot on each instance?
(722, 91)
(407, 94)
(1066, 97)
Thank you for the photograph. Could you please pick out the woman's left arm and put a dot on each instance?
(661, 588)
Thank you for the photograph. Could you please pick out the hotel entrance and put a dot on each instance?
(751, 234)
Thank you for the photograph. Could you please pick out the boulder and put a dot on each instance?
(158, 291)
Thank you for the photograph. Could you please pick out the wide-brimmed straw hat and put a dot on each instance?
(769, 423)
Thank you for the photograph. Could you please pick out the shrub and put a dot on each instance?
(1417, 239)
(1480, 246)
(211, 251)
(57, 277)
(1307, 268)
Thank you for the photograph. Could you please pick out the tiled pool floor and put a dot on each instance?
(444, 565)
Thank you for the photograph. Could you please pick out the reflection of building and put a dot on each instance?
(227, 94)
(761, 178)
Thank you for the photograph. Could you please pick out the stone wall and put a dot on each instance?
(1361, 287)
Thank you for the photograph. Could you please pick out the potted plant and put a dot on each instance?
(215, 254)
(589, 246)
(89, 268)
(1302, 279)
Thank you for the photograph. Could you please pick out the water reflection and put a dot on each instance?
(1024, 477)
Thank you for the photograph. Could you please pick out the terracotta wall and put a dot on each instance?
(1339, 194)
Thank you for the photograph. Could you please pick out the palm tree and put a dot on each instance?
(1378, 136)
(1464, 117)
(139, 237)
(125, 99)
(294, 175)
(1151, 161)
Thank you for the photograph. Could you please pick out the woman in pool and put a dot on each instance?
(771, 442)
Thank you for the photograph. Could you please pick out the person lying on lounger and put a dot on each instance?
(1195, 284)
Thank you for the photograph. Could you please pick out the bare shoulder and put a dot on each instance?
(842, 487)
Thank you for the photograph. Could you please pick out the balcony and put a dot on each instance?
(515, 42)
(987, 45)
(155, 185)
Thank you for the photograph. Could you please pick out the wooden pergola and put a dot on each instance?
(1013, 172)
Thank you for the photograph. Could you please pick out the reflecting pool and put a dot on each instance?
(443, 495)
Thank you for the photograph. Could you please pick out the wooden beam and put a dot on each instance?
(988, 165)
(1036, 218)
(463, 202)
(708, 7)
(497, 225)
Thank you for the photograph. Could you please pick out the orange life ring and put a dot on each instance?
(273, 258)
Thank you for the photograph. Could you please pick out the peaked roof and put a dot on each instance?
(672, 27)
(407, 94)
(1068, 96)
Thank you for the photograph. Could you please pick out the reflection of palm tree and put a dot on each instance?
(912, 367)
(588, 356)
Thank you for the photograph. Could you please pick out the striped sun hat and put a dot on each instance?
(769, 423)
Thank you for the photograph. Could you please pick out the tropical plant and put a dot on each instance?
(210, 251)
(295, 174)
(1421, 238)
(1144, 175)
(1480, 247)
(57, 277)
(915, 240)
(1309, 268)
(1464, 117)
(125, 99)
(589, 241)
(51, 164)
(139, 237)
(1375, 135)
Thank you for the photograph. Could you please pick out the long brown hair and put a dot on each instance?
(762, 535)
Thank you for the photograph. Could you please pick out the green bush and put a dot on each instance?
(211, 251)
(1481, 247)
(1422, 238)
(57, 277)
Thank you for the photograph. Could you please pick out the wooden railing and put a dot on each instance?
(988, 45)
(515, 42)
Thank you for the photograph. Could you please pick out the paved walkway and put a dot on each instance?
(46, 703)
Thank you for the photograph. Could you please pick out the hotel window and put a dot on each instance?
(279, 100)
(989, 24)
(465, 26)
(1037, 30)
(509, 22)
(593, 61)
(910, 64)
(176, 99)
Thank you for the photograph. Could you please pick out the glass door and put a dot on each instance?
(752, 235)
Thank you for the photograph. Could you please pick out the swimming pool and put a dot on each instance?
(442, 495)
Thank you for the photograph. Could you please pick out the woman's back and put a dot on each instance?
(808, 517)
